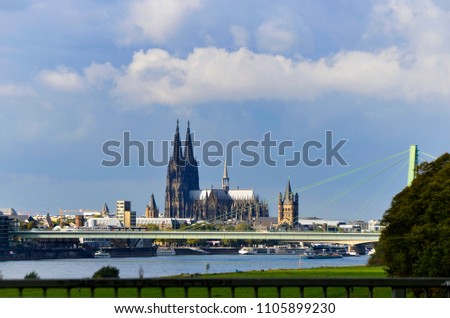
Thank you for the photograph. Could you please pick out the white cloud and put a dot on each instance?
(156, 20)
(416, 68)
(65, 79)
(62, 79)
(98, 74)
(209, 74)
(13, 90)
(274, 36)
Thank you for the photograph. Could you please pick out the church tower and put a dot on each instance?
(191, 167)
(175, 187)
(288, 207)
(151, 210)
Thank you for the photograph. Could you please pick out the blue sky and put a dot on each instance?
(74, 74)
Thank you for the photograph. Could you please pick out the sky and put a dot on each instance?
(77, 74)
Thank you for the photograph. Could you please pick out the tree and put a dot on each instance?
(32, 275)
(107, 272)
(152, 227)
(243, 227)
(415, 241)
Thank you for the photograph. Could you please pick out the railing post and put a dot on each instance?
(139, 292)
(278, 291)
(370, 292)
(347, 292)
(302, 292)
(232, 292)
(324, 288)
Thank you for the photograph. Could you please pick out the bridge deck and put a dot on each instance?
(179, 235)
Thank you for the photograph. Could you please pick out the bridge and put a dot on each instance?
(325, 237)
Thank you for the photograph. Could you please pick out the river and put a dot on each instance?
(160, 266)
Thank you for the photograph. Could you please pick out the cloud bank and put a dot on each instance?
(413, 69)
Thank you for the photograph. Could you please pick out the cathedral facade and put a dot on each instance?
(185, 199)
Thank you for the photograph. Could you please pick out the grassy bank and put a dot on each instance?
(325, 272)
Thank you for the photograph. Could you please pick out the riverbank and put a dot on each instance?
(321, 272)
(198, 292)
(33, 253)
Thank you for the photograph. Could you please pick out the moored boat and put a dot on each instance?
(102, 254)
(266, 250)
(165, 251)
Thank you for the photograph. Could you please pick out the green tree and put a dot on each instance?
(415, 242)
(243, 227)
(152, 227)
(107, 272)
(32, 275)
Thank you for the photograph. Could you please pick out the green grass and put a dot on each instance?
(324, 272)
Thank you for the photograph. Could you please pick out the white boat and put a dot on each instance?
(281, 250)
(247, 251)
(290, 250)
(102, 254)
(165, 251)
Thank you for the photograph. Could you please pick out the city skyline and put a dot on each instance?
(76, 75)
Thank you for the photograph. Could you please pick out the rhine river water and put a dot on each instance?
(160, 266)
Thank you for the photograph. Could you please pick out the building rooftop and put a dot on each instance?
(234, 194)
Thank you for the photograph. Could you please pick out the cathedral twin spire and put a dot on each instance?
(188, 156)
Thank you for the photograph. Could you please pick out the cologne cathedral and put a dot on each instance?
(185, 199)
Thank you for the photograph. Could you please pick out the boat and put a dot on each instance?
(290, 250)
(165, 251)
(324, 254)
(266, 250)
(321, 256)
(247, 251)
(102, 254)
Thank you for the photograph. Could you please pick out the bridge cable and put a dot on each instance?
(356, 185)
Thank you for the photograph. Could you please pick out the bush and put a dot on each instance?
(32, 275)
(107, 272)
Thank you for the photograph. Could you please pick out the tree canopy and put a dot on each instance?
(415, 242)
(107, 272)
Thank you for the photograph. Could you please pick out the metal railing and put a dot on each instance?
(398, 286)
